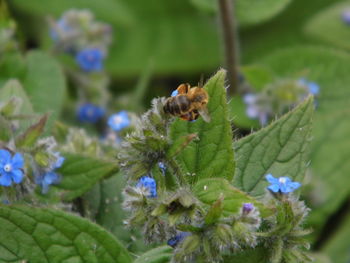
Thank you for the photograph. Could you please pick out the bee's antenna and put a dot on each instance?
(201, 81)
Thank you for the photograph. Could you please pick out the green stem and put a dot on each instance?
(228, 26)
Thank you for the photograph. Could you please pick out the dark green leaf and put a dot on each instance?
(80, 173)
(209, 191)
(329, 26)
(211, 155)
(51, 236)
(279, 149)
(157, 255)
(248, 12)
(112, 11)
(329, 149)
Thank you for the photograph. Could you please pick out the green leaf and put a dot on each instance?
(45, 84)
(328, 26)
(212, 154)
(210, 190)
(80, 173)
(279, 149)
(105, 206)
(248, 12)
(112, 11)
(5, 130)
(337, 247)
(259, 254)
(329, 149)
(214, 212)
(251, 12)
(11, 89)
(46, 235)
(161, 254)
(29, 137)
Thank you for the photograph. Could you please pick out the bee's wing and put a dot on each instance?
(205, 114)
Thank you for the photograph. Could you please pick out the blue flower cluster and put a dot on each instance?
(282, 185)
(149, 184)
(50, 177)
(119, 121)
(79, 34)
(90, 113)
(11, 168)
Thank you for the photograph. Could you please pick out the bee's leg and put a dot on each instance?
(186, 117)
(183, 88)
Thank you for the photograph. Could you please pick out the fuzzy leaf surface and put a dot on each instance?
(161, 254)
(280, 149)
(211, 155)
(52, 236)
(80, 173)
(210, 190)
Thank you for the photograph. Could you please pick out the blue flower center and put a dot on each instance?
(8, 168)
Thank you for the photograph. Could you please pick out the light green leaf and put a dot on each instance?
(248, 12)
(210, 190)
(328, 26)
(51, 236)
(211, 155)
(330, 148)
(81, 173)
(13, 88)
(251, 12)
(337, 247)
(45, 84)
(112, 11)
(279, 149)
(161, 254)
(30, 136)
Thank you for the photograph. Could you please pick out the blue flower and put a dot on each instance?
(90, 113)
(247, 208)
(90, 59)
(312, 87)
(162, 167)
(149, 184)
(174, 93)
(50, 177)
(61, 26)
(346, 17)
(282, 184)
(119, 121)
(174, 241)
(11, 168)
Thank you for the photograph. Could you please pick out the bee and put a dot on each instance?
(189, 103)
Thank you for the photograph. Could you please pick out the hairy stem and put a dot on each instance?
(228, 25)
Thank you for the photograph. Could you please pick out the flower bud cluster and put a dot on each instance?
(277, 98)
(163, 204)
(26, 159)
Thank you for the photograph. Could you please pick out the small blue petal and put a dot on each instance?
(271, 179)
(274, 188)
(5, 156)
(174, 241)
(5, 180)
(17, 176)
(314, 88)
(174, 93)
(17, 161)
(90, 59)
(149, 183)
(90, 113)
(119, 121)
